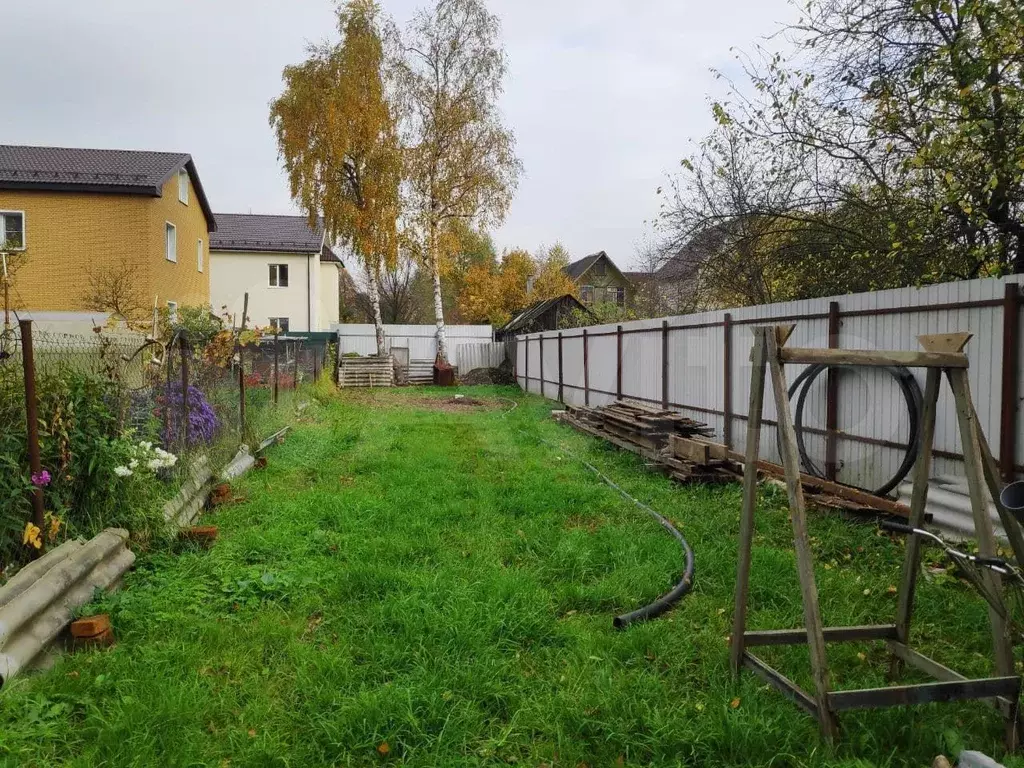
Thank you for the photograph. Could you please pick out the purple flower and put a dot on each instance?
(41, 479)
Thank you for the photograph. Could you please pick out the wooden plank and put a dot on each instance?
(801, 541)
(756, 406)
(924, 693)
(833, 489)
(783, 332)
(945, 342)
(873, 357)
(700, 451)
(780, 682)
(983, 530)
(832, 635)
(918, 502)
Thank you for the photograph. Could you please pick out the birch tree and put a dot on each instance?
(460, 162)
(336, 133)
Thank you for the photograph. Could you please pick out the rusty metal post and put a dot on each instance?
(586, 369)
(241, 370)
(664, 365)
(618, 364)
(276, 360)
(32, 421)
(832, 396)
(183, 347)
(295, 367)
(1010, 382)
(561, 378)
(727, 380)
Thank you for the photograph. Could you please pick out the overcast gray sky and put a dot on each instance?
(605, 96)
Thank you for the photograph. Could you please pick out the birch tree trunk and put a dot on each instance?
(378, 321)
(442, 334)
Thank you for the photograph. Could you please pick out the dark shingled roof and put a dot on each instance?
(329, 256)
(576, 269)
(276, 234)
(110, 171)
(524, 317)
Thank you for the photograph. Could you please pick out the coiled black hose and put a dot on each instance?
(674, 595)
(911, 395)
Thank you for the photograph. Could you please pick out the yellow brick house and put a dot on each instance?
(87, 229)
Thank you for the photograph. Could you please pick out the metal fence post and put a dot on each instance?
(618, 364)
(664, 365)
(586, 369)
(183, 347)
(832, 396)
(561, 378)
(541, 356)
(241, 369)
(727, 379)
(295, 367)
(526, 374)
(1010, 381)
(276, 360)
(32, 422)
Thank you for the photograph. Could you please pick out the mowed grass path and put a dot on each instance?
(405, 585)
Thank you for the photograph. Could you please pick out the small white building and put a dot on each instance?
(291, 274)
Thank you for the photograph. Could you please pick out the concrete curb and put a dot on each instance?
(40, 600)
(184, 508)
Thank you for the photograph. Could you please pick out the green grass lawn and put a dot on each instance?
(406, 585)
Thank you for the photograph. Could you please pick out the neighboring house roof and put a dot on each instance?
(578, 268)
(329, 256)
(638, 277)
(109, 171)
(525, 317)
(687, 261)
(265, 233)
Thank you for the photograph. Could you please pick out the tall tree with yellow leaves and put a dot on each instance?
(461, 165)
(336, 133)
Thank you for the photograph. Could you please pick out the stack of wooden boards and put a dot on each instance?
(366, 372)
(679, 446)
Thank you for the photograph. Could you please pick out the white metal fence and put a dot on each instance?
(698, 364)
(421, 340)
(469, 357)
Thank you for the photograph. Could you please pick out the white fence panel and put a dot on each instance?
(420, 339)
(872, 424)
(469, 357)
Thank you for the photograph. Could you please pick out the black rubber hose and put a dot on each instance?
(911, 396)
(674, 595)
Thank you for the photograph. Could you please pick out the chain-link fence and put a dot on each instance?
(120, 421)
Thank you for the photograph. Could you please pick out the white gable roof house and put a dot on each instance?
(290, 273)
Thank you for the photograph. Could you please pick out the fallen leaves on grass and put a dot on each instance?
(384, 749)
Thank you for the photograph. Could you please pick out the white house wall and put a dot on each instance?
(232, 274)
(330, 279)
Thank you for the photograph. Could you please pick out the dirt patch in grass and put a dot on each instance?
(402, 399)
(450, 404)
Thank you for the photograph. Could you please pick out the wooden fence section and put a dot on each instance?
(856, 421)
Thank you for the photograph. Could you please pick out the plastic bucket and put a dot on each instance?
(1012, 497)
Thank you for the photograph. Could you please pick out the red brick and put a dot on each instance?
(90, 626)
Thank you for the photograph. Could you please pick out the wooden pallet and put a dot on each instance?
(366, 372)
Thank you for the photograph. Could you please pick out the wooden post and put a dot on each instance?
(918, 502)
(1010, 382)
(295, 367)
(183, 347)
(241, 371)
(586, 369)
(276, 364)
(739, 618)
(618, 365)
(561, 378)
(801, 540)
(983, 529)
(832, 395)
(727, 380)
(35, 464)
(664, 364)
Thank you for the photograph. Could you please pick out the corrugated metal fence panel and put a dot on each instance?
(869, 403)
(420, 339)
(469, 357)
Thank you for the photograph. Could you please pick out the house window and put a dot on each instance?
(618, 296)
(12, 230)
(278, 275)
(183, 186)
(172, 311)
(587, 294)
(280, 323)
(199, 254)
(171, 242)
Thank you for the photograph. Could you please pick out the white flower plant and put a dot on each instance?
(147, 456)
